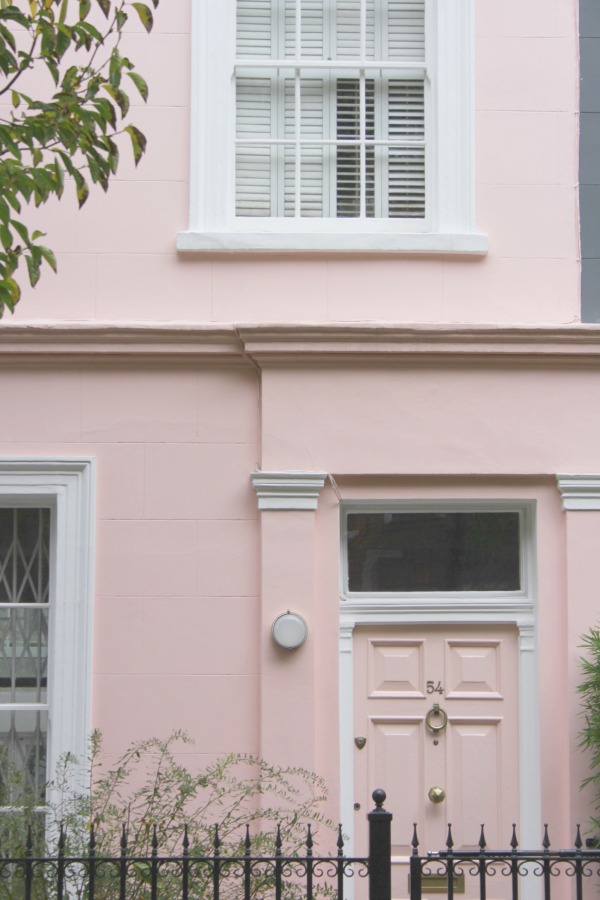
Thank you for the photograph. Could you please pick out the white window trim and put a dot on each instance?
(451, 609)
(67, 487)
(450, 42)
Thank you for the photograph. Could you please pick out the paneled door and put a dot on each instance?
(436, 726)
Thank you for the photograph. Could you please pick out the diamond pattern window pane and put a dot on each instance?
(24, 555)
(24, 611)
(23, 655)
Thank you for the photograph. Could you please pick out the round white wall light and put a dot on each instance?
(289, 630)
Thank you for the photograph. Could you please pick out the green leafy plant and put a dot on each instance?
(590, 733)
(149, 798)
(64, 84)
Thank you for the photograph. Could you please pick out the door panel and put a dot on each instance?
(471, 673)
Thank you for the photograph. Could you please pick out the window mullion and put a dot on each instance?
(362, 112)
(297, 112)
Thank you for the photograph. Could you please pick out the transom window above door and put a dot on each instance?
(434, 551)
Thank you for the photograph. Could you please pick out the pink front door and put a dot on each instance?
(438, 707)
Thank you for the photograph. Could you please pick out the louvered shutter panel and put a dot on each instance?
(254, 112)
(348, 160)
(253, 164)
(347, 33)
(406, 165)
(405, 120)
(313, 197)
(312, 113)
(405, 23)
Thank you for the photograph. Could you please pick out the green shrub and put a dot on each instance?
(150, 795)
(590, 734)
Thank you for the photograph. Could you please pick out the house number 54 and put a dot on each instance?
(435, 687)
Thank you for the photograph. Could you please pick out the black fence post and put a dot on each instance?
(415, 868)
(380, 850)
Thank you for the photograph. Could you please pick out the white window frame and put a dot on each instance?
(450, 227)
(66, 486)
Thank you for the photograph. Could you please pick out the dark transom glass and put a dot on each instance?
(433, 551)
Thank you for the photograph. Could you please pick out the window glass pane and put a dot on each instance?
(434, 551)
(23, 737)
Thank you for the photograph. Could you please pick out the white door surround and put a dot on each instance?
(518, 610)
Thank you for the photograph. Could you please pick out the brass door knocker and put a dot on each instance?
(436, 719)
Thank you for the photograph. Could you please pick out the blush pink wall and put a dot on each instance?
(189, 575)
(118, 260)
(176, 592)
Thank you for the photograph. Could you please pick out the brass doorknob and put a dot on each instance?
(437, 794)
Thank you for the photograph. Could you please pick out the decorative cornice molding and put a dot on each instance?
(281, 344)
(288, 490)
(41, 341)
(579, 491)
(285, 344)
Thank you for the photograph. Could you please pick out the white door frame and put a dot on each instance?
(437, 611)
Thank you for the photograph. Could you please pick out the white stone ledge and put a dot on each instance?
(472, 244)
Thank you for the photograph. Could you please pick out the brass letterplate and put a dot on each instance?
(438, 884)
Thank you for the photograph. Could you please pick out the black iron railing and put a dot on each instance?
(448, 869)
(95, 876)
(248, 876)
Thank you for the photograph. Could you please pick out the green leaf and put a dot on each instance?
(16, 99)
(5, 237)
(145, 15)
(83, 190)
(84, 9)
(49, 256)
(59, 176)
(10, 293)
(140, 84)
(33, 268)
(104, 6)
(21, 231)
(120, 98)
(114, 68)
(138, 142)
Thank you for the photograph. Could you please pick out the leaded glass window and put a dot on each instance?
(24, 608)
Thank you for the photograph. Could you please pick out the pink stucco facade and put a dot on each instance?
(408, 379)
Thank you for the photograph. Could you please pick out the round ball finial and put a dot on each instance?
(379, 796)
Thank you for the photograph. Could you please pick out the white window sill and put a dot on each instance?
(327, 242)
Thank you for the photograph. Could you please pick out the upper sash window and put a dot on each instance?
(330, 109)
(332, 125)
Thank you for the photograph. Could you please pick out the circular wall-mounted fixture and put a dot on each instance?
(289, 630)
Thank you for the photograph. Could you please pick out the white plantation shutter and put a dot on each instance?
(405, 166)
(330, 142)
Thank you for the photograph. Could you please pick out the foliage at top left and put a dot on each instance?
(64, 100)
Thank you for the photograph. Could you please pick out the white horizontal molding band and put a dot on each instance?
(288, 490)
(579, 491)
(330, 242)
